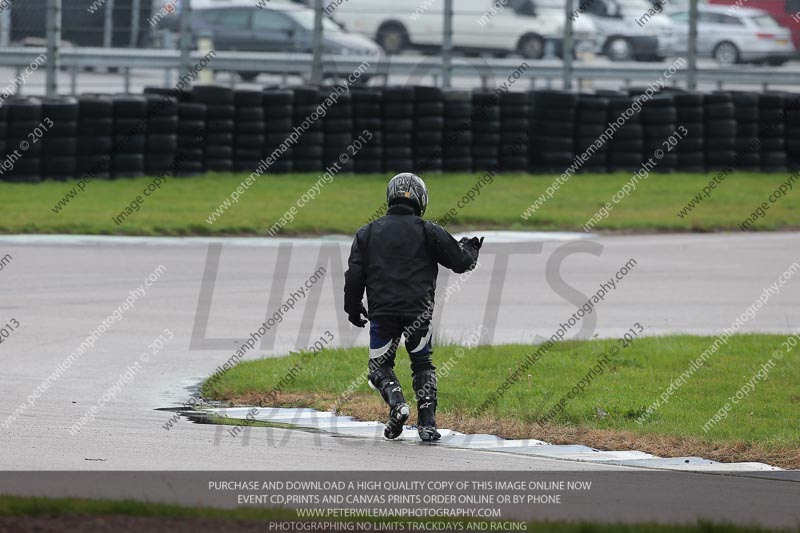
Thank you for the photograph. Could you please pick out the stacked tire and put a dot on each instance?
(278, 113)
(457, 136)
(552, 137)
(748, 144)
(308, 151)
(485, 131)
(220, 120)
(250, 130)
(772, 130)
(592, 122)
(162, 135)
(192, 133)
(367, 117)
(514, 126)
(720, 126)
(24, 115)
(428, 129)
(339, 133)
(130, 136)
(398, 129)
(60, 161)
(792, 132)
(95, 137)
(659, 119)
(627, 145)
(691, 148)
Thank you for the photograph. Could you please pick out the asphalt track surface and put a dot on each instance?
(60, 289)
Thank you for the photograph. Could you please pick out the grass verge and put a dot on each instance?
(74, 514)
(182, 206)
(609, 413)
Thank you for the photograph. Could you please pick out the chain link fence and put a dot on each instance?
(86, 24)
(410, 98)
(576, 38)
(95, 23)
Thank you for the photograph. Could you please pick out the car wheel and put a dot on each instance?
(531, 47)
(393, 38)
(726, 53)
(619, 49)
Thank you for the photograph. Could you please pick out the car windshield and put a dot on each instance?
(305, 18)
(765, 21)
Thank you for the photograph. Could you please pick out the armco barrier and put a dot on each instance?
(75, 59)
(421, 129)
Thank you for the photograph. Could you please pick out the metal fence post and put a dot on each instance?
(108, 27)
(167, 43)
(53, 46)
(447, 45)
(566, 47)
(136, 7)
(186, 37)
(5, 26)
(316, 65)
(134, 38)
(691, 79)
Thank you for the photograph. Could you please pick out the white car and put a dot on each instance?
(514, 26)
(627, 29)
(732, 34)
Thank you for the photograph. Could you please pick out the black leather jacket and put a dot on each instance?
(396, 258)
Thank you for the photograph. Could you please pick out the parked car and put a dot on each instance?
(737, 35)
(786, 12)
(627, 29)
(516, 26)
(239, 25)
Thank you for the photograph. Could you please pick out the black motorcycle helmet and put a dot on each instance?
(408, 187)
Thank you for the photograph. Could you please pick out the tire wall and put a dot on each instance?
(421, 129)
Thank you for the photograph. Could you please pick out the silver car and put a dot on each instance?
(630, 29)
(732, 34)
